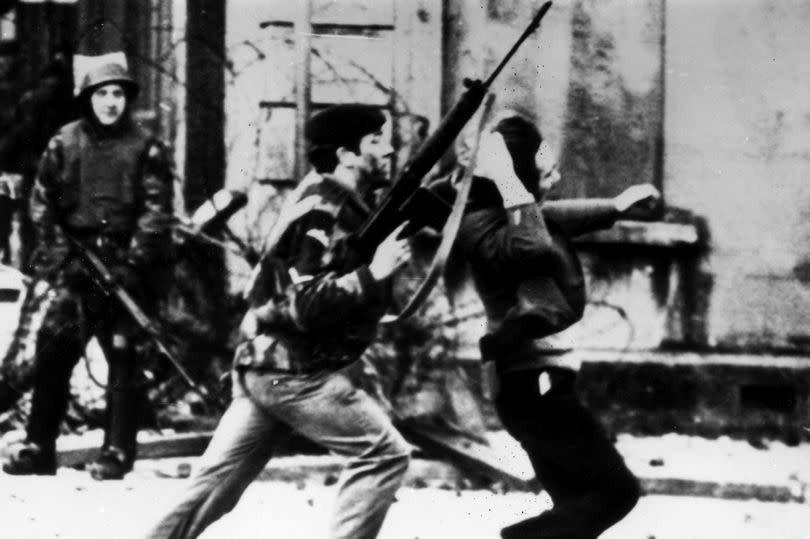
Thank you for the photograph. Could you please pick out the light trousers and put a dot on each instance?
(326, 408)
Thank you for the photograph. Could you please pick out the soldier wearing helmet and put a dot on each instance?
(109, 184)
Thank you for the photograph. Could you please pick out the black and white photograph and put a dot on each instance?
(405, 269)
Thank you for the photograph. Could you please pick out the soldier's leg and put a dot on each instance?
(243, 442)
(124, 401)
(331, 411)
(59, 347)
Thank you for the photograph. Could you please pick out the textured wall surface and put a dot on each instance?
(612, 135)
(738, 153)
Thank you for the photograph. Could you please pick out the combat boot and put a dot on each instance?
(123, 407)
(111, 464)
(31, 459)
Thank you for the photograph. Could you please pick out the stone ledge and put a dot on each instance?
(672, 359)
(645, 233)
(658, 357)
(709, 395)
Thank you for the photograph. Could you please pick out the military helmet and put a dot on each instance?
(105, 73)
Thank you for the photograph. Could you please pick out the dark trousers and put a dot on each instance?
(61, 342)
(572, 456)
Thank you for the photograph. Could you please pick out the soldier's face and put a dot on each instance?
(546, 162)
(108, 102)
(375, 153)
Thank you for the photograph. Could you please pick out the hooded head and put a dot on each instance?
(105, 89)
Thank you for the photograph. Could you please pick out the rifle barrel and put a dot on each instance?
(526, 33)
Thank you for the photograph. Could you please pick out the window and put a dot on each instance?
(385, 53)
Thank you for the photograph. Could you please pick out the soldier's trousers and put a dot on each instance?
(68, 326)
(326, 408)
(572, 456)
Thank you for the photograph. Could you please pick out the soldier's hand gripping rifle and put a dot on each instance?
(102, 276)
(407, 200)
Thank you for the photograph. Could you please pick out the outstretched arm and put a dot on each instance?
(583, 215)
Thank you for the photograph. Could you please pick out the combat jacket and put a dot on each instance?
(328, 305)
(116, 186)
(526, 271)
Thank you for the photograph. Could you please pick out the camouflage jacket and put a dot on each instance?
(326, 312)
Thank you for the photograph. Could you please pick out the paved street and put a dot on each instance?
(73, 506)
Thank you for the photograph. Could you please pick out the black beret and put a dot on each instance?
(343, 125)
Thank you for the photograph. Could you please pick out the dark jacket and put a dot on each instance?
(327, 306)
(526, 271)
(115, 184)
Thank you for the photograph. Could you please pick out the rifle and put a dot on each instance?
(407, 200)
(102, 276)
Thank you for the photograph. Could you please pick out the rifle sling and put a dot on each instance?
(450, 230)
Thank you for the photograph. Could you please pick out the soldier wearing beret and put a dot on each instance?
(532, 286)
(109, 184)
(314, 309)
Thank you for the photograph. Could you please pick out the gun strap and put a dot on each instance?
(450, 230)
